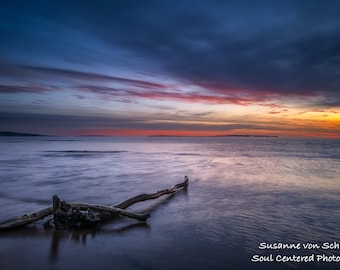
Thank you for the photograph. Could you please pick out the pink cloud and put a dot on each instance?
(129, 95)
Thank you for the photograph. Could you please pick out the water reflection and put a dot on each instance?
(80, 236)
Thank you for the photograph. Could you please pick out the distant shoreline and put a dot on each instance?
(18, 134)
(214, 136)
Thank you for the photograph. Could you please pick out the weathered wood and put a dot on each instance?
(144, 197)
(57, 212)
(26, 219)
(79, 215)
(110, 209)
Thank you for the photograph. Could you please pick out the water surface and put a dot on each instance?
(242, 191)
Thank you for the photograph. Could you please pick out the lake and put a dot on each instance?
(251, 202)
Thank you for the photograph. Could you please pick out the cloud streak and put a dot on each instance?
(192, 97)
(17, 89)
(88, 76)
(146, 89)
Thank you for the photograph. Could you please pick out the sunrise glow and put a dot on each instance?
(170, 69)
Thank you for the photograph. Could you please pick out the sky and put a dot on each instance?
(158, 67)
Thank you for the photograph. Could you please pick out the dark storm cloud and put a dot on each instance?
(262, 47)
(286, 47)
(10, 89)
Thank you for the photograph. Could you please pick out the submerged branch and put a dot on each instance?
(144, 197)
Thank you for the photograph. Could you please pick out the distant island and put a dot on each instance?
(249, 135)
(17, 134)
(214, 136)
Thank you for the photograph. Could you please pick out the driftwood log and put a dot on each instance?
(83, 215)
